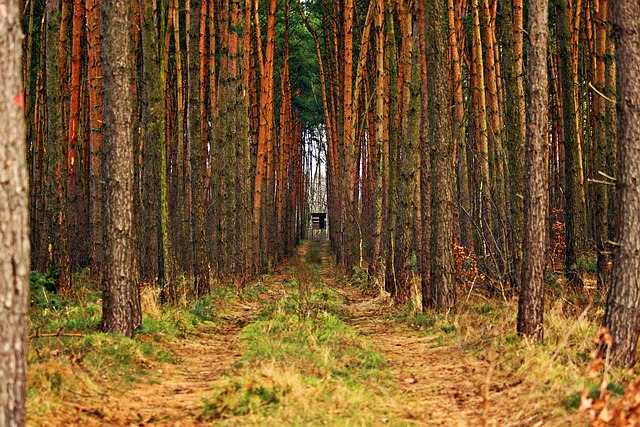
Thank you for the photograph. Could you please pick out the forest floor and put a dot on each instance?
(309, 348)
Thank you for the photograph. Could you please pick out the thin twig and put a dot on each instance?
(597, 181)
(55, 335)
(613, 101)
(612, 178)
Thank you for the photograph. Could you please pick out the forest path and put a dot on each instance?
(175, 397)
(439, 384)
(431, 382)
(173, 394)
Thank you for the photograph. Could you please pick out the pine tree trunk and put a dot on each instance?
(199, 266)
(575, 205)
(601, 226)
(536, 205)
(121, 310)
(484, 215)
(94, 52)
(515, 137)
(621, 315)
(377, 264)
(443, 292)
(153, 123)
(14, 224)
(57, 163)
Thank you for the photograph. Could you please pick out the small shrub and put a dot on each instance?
(203, 309)
(359, 278)
(448, 328)
(43, 290)
(422, 321)
(241, 398)
(314, 254)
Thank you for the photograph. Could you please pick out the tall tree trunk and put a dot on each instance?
(390, 170)
(409, 163)
(515, 137)
(424, 251)
(536, 205)
(14, 224)
(183, 202)
(94, 53)
(153, 123)
(443, 292)
(621, 315)
(348, 182)
(601, 226)
(466, 232)
(121, 310)
(377, 264)
(197, 163)
(57, 164)
(484, 210)
(575, 204)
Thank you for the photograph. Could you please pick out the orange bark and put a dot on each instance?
(74, 112)
(94, 52)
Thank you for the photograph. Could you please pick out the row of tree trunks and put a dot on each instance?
(187, 56)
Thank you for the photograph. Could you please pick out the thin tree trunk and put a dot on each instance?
(94, 53)
(600, 136)
(531, 302)
(575, 205)
(515, 137)
(377, 265)
(197, 163)
(57, 164)
(153, 123)
(484, 216)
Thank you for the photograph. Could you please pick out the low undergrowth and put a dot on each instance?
(303, 365)
(555, 372)
(71, 360)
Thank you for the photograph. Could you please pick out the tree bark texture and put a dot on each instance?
(443, 291)
(121, 310)
(536, 205)
(575, 208)
(14, 222)
(621, 315)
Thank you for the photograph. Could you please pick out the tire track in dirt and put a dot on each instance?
(178, 397)
(435, 385)
(171, 394)
(446, 385)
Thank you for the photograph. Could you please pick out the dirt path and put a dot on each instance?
(177, 398)
(173, 393)
(435, 384)
(442, 386)
(439, 385)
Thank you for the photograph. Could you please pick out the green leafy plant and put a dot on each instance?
(243, 397)
(43, 290)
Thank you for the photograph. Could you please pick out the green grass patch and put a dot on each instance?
(302, 364)
(69, 356)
